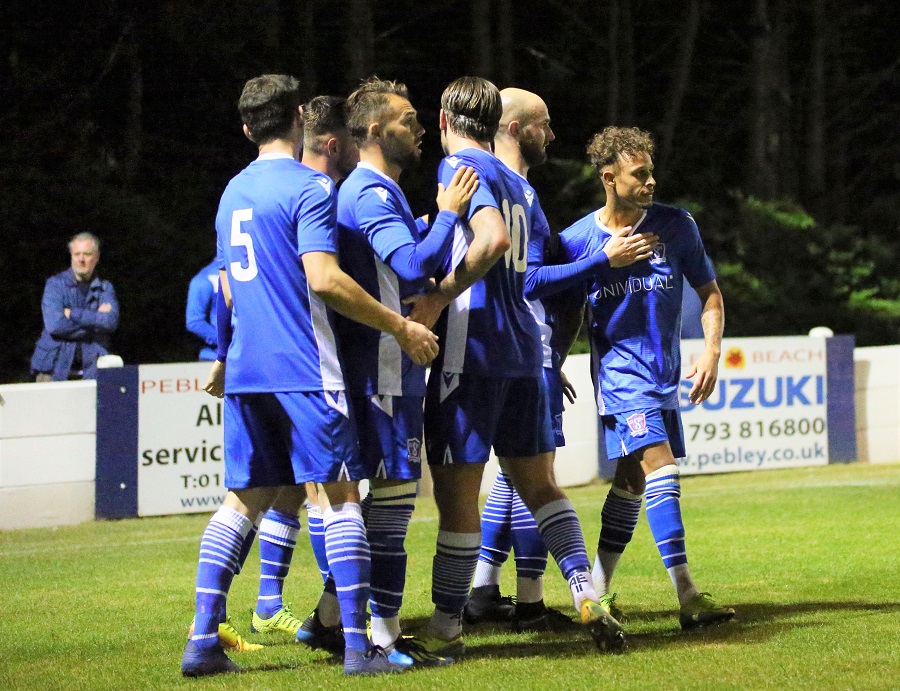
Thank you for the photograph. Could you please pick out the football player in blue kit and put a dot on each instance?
(520, 143)
(287, 419)
(329, 149)
(382, 247)
(487, 388)
(635, 326)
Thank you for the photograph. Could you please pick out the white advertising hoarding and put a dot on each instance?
(769, 409)
(180, 454)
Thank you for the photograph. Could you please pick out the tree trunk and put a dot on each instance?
(307, 35)
(133, 130)
(680, 79)
(613, 76)
(815, 145)
(506, 73)
(482, 47)
(629, 101)
(360, 39)
(762, 176)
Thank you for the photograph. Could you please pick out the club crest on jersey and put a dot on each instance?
(326, 184)
(637, 423)
(414, 450)
(381, 192)
(658, 253)
(453, 161)
(529, 197)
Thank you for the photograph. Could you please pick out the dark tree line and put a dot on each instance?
(776, 124)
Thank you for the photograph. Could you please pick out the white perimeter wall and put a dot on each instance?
(48, 439)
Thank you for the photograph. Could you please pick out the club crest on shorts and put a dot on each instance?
(414, 450)
(637, 423)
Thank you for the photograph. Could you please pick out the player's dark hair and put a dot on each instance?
(268, 106)
(605, 147)
(473, 108)
(368, 104)
(323, 117)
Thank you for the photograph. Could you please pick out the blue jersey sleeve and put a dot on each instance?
(317, 218)
(543, 278)
(697, 267)
(414, 262)
(381, 220)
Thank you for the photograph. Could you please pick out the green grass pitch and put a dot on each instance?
(808, 557)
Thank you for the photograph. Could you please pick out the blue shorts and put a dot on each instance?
(465, 415)
(553, 381)
(289, 438)
(627, 432)
(390, 436)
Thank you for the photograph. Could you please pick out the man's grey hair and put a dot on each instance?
(84, 235)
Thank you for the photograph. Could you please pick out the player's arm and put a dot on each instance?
(345, 296)
(489, 244)
(215, 382)
(706, 368)
(417, 261)
(201, 304)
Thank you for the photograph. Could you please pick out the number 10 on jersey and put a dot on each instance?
(517, 227)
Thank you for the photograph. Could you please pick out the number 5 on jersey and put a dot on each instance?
(241, 239)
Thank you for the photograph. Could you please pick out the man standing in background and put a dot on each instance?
(80, 313)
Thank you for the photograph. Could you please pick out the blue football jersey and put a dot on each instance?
(540, 233)
(489, 329)
(374, 220)
(635, 311)
(270, 214)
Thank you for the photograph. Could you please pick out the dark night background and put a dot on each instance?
(777, 124)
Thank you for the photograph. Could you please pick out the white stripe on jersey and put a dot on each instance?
(329, 365)
(595, 369)
(458, 310)
(540, 316)
(390, 357)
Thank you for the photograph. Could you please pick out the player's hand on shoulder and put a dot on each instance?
(624, 249)
(418, 342)
(215, 382)
(455, 197)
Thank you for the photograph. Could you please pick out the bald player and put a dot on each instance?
(521, 143)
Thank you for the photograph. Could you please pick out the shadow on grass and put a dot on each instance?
(753, 623)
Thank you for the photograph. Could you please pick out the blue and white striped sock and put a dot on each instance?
(387, 522)
(277, 539)
(247, 544)
(496, 538)
(664, 516)
(220, 549)
(531, 553)
(452, 570)
(562, 534)
(350, 562)
(316, 526)
(618, 520)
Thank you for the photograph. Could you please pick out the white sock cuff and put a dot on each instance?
(459, 540)
(313, 510)
(235, 520)
(670, 470)
(268, 527)
(348, 509)
(622, 494)
(552, 508)
(395, 490)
